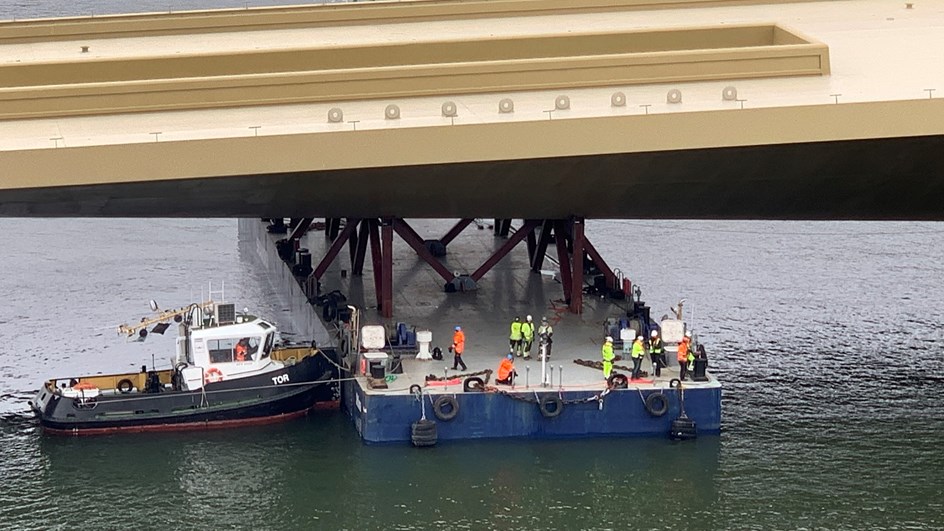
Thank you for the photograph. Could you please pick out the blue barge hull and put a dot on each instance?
(388, 418)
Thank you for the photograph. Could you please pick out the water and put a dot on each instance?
(826, 336)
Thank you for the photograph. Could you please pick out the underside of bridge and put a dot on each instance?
(500, 109)
(878, 179)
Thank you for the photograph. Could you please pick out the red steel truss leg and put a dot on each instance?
(563, 257)
(576, 289)
(376, 259)
(540, 250)
(514, 240)
(455, 230)
(357, 265)
(386, 277)
(604, 268)
(300, 229)
(416, 242)
(335, 248)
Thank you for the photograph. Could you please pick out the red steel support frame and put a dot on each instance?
(540, 250)
(563, 258)
(335, 248)
(608, 273)
(571, 242)
(576, 288)
(514, 240)
(300, 229)
(376, 260)
(357, 265)
(386, 275)
(416, 242)
(455, 231)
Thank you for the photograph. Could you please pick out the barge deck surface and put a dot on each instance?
(510, 289)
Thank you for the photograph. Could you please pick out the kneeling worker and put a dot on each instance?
(506, 370)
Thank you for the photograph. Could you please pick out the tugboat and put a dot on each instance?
(229, 370)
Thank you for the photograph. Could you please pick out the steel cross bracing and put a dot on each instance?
(576, 255)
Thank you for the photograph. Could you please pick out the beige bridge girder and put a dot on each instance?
(509, 108)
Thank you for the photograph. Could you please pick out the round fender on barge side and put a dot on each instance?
(473, 384)
(551, 406)
(657, 404)
(124, 386)
(446, 408)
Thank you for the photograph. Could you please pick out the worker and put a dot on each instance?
(241, 349)
(527, 336)
(545, 338)
(506, 371)
(685, 355)
(656, 352)
(457, 348)
(514, 339)
(607, 357)
(637, 354)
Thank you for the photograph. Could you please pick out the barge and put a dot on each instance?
(395, 389)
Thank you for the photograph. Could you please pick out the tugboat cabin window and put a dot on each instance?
(221, 350)
(270, 338)
(233, 349)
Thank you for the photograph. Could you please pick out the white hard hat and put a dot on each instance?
(529, 318)
(688, 334)
(609, 339)
(639, 338)
(654, 333)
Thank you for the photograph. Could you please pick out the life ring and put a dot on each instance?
(618, 381)
(657, 404)
(343, 345)
(125, 386)
(212, 375)
(446, 408)
(551, 406)
(473, 384)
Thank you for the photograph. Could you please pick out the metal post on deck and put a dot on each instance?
(560, 376)
(576, 287)
(386, 277)
(527, 376)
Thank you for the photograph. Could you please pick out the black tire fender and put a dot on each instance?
(473, 384)
(124, 386)
(657, 404)
(551, 406)
(618, 381)
(446, 408)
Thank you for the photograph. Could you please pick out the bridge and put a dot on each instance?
(529, 109)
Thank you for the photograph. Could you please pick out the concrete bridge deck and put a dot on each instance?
(839, 113)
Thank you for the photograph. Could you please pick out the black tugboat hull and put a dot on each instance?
(274, 396)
